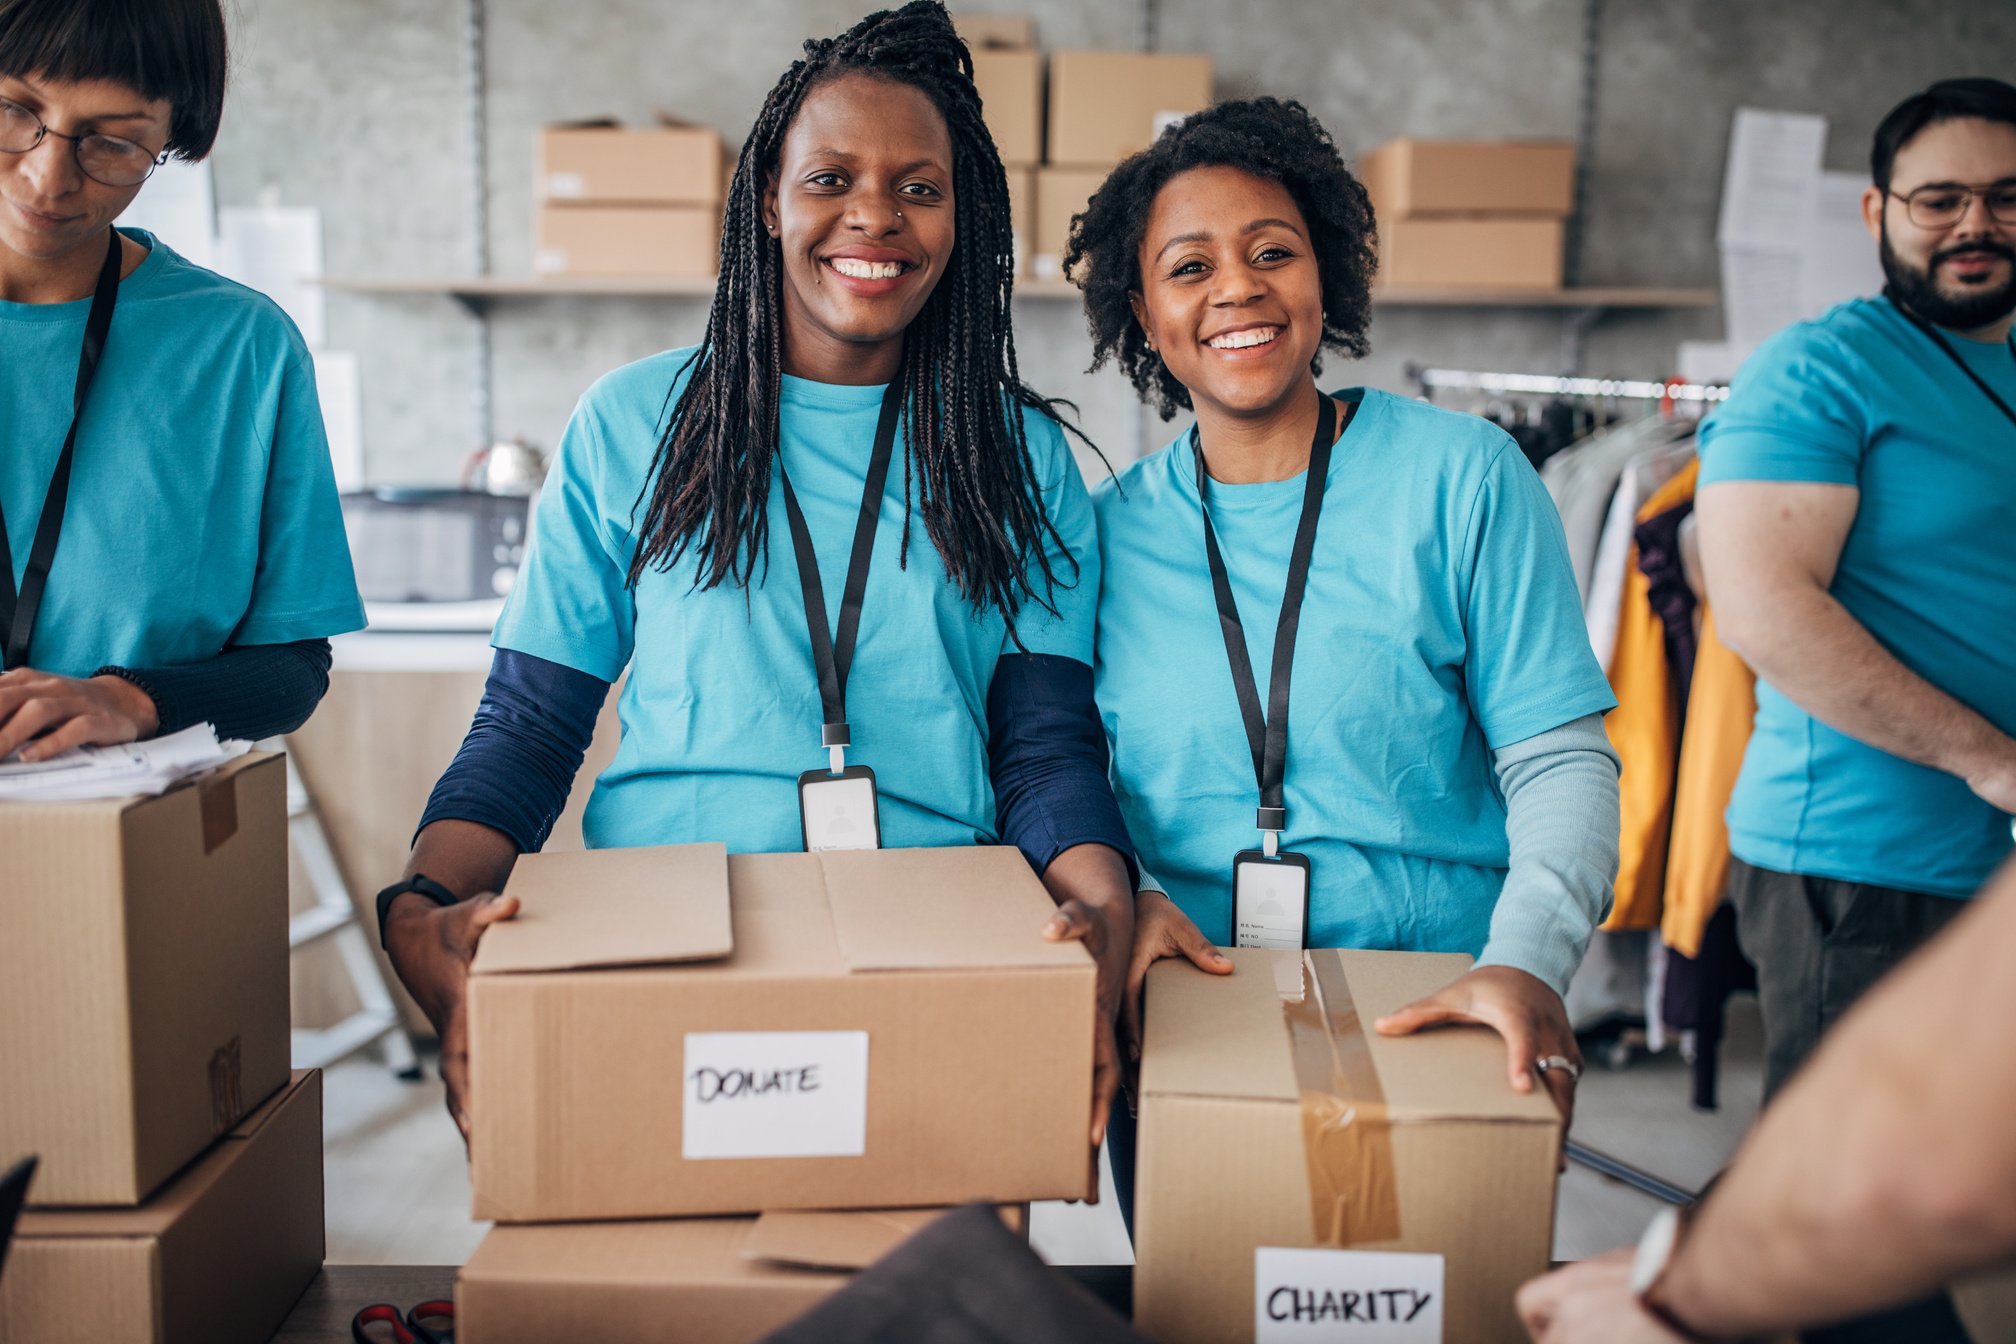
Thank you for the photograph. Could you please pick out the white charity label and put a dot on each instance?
(775, 1094)
(565, 186)
(1381, 1297)
(549, 260)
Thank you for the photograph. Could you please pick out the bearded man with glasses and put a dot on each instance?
(170, 547)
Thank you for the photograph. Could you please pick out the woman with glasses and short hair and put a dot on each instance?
(170, 547)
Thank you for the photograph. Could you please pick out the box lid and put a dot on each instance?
(1225, 1036)
(886, 910)
(612, 907)
(157, 1215)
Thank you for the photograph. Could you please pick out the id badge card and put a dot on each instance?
(839, 811)
(1270, 900)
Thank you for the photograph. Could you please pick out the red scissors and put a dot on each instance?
(428, 1323)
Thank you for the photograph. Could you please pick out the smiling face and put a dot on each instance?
(1231, 297)
(1961, 276)
(862, 210)
(48, 207)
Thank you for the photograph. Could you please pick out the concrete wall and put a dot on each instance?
(353, 106)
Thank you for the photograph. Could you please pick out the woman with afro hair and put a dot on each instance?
(1443, 782)
(855, 404)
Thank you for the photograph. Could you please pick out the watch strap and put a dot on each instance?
(419, 882)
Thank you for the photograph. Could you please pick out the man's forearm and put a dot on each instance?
(1884, 1171)
(1809, 647)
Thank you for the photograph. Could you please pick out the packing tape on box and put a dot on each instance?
(1347, 1137)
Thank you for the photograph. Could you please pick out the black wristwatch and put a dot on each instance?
(419, 882)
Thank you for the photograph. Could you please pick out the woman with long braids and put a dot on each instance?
(1434, 777)
(862, 311)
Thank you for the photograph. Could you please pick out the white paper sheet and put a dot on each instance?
(1769, 182)
(775, 1094)
(127, 770)
(1379, 1297)
(179, 207)
(1760, 293)
(1838, 258)
(277, 251)
(336, 387)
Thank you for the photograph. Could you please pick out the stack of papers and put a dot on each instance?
(127, 770)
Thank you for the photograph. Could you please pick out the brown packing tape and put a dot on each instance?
(219, 801)
(1347, 1137)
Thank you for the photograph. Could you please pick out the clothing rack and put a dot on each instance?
(1625, 389)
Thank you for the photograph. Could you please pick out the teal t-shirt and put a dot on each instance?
(721, 711)
(202, 506)
(1440, 622)
(1862, 397)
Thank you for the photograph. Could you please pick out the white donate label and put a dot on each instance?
(776, 1094)
(1378, 1296)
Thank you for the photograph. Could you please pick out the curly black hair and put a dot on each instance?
(966, 459)
(1267, 137)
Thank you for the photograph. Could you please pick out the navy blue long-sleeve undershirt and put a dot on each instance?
(1046, 752)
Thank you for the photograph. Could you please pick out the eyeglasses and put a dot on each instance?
(1944, 204)
(105, 159)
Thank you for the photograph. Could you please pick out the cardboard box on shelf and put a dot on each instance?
(1105, 105)
(602, 163)
(637, 241)
(1022, 215)
(1518, 253)
(143, 977)
(1321, 1135)
(1060, 194)
(670, 1031)
(1409, 177)
(221, 1253)
(725, 1280)
(983, 31)
(1011, 100)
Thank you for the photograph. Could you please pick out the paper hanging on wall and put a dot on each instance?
(179, 206)
(1838, 258)
(336, 387)
(775, 1094)
(1769, 182)
(277, 251)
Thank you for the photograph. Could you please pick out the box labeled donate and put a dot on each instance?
(143, 977)
(724, 1280)
(1358, 1182)
(671, 1031)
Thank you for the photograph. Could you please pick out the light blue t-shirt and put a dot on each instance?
(1440, 622)
(1862, 397)
(202, 506)
(721, 709)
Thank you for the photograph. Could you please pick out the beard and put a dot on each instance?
(1917, 290)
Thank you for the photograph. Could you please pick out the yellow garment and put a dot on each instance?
(1645, 730)
(1720, 707)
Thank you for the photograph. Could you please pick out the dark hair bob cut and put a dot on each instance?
(1267, 137)
(164, 50)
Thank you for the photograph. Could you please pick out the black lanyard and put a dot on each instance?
(18, 610)
(1268, 737)
(833, 654)
(1939, 339)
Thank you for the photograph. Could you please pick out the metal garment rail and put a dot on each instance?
(1626, 389)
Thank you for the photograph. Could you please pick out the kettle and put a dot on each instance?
(514, 468)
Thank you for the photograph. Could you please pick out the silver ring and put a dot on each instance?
(1566, 1065)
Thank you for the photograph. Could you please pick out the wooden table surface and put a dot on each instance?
(322, 1316)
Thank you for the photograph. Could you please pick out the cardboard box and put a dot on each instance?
(1011, 100)
(1520, 253)
(1106, 105)
(220, 1254)
(601, 163)
(143, 977)
(643, 241)
(1407, 177)
(1060, 194)
(1317, 1133)
(671, 1031)
(983, 31)
(1022, 215)
(724, 1280)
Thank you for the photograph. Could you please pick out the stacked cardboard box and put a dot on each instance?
(1353, 1177)
(1463, 214)
(629, 201)
(144, 1021)
(1008, 73)
(668, 1035)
